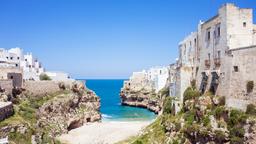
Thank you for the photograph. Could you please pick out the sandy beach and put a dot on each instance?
(106, 132)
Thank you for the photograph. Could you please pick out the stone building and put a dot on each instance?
(10, 78)
(220, 55)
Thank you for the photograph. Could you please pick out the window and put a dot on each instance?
(218, 56)
(184, 52)
(208, 35)
(195, 42)
(236, 68)
(244, 24)
(11, 58)
(18, 58)
(11, 77)
(209, 56)
(26, 60)
(16, 65)
(218, 30)
(7, 57)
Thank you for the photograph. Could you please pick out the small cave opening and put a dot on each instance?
(75, 124)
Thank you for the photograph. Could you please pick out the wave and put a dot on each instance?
(106, 116)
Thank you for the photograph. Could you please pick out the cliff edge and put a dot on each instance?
(40, 118)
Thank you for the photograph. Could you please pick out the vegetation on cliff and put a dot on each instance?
(203, 119)
(42, 118)
(22, 124)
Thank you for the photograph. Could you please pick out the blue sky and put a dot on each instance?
(103, 38)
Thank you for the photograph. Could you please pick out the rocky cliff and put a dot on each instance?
(203, 119)
(143, 98)
(39, 119)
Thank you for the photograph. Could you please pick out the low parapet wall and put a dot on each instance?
(6, 110)
(41, 88)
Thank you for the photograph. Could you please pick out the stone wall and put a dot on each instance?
(37, 88)
(7, 85)
(6, 110)
(237, 103)
(245, 61)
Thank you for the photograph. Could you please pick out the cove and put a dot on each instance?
(111, 109)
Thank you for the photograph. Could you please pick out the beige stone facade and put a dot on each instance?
(220, 56)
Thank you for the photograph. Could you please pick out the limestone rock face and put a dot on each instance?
(20, 128)
(148, 100)
(40, 118)
(69, 111)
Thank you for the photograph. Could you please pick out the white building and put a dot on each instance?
(153, 79)
(58, 76)
(14, 58)
(158, 76)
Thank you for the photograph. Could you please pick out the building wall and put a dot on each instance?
(245, 60)
(238, 34)
(223, 41)
(16, 78)
(12, 74)
(7, 85)
(185, 77)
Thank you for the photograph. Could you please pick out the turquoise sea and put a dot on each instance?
(111, 109)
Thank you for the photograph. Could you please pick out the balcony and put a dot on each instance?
(207, 64)
(217, 62)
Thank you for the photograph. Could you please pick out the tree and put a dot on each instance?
(44, 77)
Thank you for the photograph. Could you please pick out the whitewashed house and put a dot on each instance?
(30, 66)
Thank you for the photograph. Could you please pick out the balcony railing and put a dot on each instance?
(207, 63)
(217, 62)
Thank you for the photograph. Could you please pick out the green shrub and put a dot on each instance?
(164, 92)
(236, 140)
(222, 100)
(249, 86)
(206, 120)
(44, 77)
(251, 109)
(189, 117)
(237, 131)
(219, 136)
(204, 133)
(193, 84)
(237, 117)
(219, 112)
(190, 131)
(177, 126)
(16, 137)
(138, 142)
(190, 93)
(167, 106)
